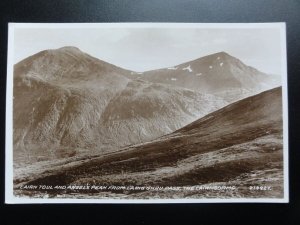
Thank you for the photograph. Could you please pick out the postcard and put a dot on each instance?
(146, 113)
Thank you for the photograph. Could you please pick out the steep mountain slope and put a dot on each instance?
(67, 102)
(59, 96)
(66, 64)
(144, 111)
(239, 145)
(219, 74)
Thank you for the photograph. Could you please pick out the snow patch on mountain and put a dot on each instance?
(188, 68)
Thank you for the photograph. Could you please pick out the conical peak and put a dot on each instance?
(222, 54)
(69, 48)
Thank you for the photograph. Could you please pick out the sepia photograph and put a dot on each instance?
(146, 113)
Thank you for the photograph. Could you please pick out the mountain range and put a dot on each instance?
(67, 102)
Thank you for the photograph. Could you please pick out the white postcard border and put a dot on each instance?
(11, 199)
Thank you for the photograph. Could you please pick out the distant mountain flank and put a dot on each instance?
(219, 74)
(66, 64)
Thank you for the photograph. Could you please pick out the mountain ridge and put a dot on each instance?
(62, 107)
(220, 74)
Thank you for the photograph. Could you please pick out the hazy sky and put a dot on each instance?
(142, 49)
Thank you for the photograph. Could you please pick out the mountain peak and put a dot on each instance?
(221, 54)
(218, 57)
(69, 48)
